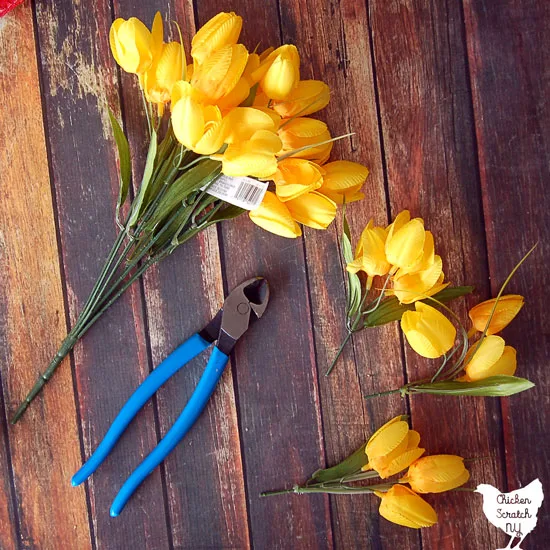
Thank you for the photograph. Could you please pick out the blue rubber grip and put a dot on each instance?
(174, 362)
(193, 409)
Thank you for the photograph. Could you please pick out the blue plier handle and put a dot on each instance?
(229, 324)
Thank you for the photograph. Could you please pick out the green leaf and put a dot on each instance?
(354, 283)
(351, 465)
(391, 310)
(494, 386)
(249, 101)
(138, 204)
(124, 159)
(228, 213)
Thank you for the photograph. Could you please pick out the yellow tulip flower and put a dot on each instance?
(242, 122)
(392, 448)
(370, 255)
(436, 474)
(343, 180)
(508, 307)
(165, 71)
(308, 97)
(490, 358)
(222, 30)
(410, 287)
(196, 126)
(403, 506)
(405, 242)
(131, 44)
(279, 72)
(306, 132)
(295, 177)
(312, 209)
(428, 331)
(273, 215)
(255, 157)
(235, 97)
(220, 72)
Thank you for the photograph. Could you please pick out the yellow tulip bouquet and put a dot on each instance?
(391, 450)
(413, 291)
(229, 133)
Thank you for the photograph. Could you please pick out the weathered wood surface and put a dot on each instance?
(448, 104)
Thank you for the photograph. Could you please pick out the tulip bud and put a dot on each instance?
(222, 30)
(507, 307)
(490, 358)
(405, 242)
(131, 45)
(370, 255)
(392, 448)
(295, 177)
(165, 71)
(306, 132)
(272, 215)
(436, 474)
(343, 180)
(220, 72)
(312, 209)
(309, 96)
(428, 331)
(403, 506)
(279, 73)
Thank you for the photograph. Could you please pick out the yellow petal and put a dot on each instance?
(492, 358)
(131, 44)
(410, 287)
(313, 209)
(283, 73)
(508, 306)
(371, 254)
(428, 331)
(399, 463)
(405, 246)
(272, 215)
(387, 438)
(295, 177)
(309, 96)
(242, 123)
(187, 121)
(222, 30)
(403, 506)
(437, 473)
(236, 96)
(306, 132)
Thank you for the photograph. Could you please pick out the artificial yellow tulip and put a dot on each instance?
(273, 216)
(403, 506)
(306, 132)
(436, 474)
(235, 97)
(242, 122)
(410, 287)
(392, 448)
(405, 242)
(295, 177)
(343, 180)
(312, 209)
(165, 71)
(279, 72)
(255, 157)
(220, 72)
(507, 308)
(490, 358)
(308, 97)
(131, 44)
(428, 331)
(370, 255)
(196, 126)
(222, 30)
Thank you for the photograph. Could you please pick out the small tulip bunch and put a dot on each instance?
(394, 448)
(224, 112)
(413, 292)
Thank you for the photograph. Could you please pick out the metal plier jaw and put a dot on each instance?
(249, 297)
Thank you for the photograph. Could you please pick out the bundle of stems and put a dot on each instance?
(170, 207)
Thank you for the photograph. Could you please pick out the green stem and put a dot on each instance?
(339, 352)
(379, 394)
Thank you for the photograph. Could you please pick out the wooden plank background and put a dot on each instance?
(448, 102)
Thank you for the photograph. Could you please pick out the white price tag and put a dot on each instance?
(244, 192)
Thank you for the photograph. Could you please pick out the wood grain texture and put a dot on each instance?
(79, 84)
(428, 135)
(182, 295)
(42, 455)
(340, 55)
(508, 50)
(278, 400)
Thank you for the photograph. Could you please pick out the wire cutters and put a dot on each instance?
(228, 325)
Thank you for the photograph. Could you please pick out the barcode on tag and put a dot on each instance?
(244, 192)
